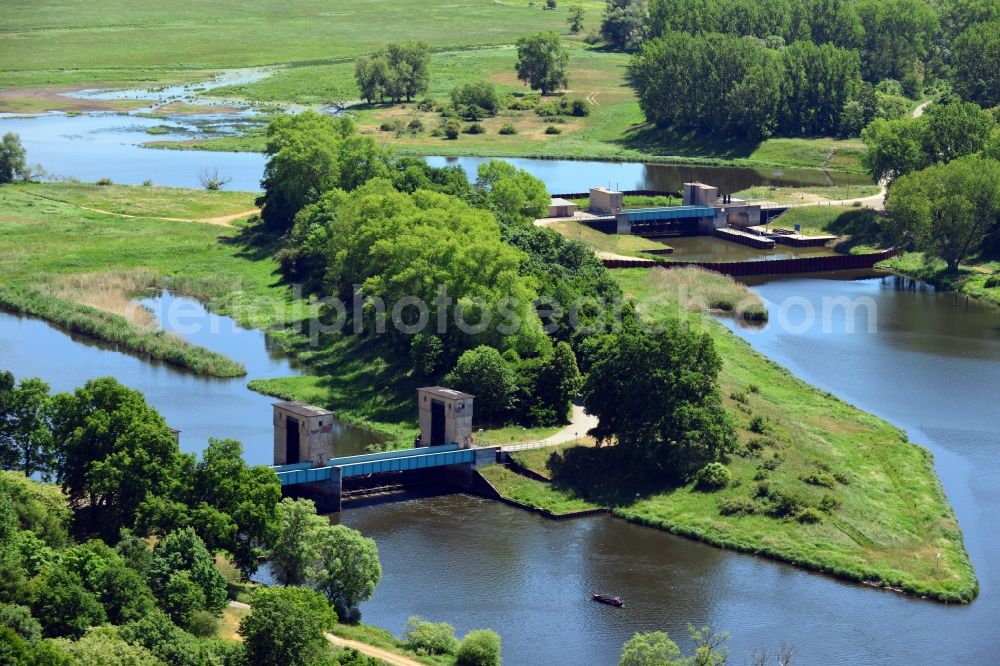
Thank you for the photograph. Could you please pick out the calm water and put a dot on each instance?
(200, 407)
(711, 248)
(109, 145)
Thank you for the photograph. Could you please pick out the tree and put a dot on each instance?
(181, 568)
(104, 646)
(625, 23)
(211, 180)
(897, 34)
(653, 648)
(13, 166)
(298, 542)
(116, 451)
(947, 208)
(26, 440)
(371, 75)
(63, 604)
(512, 193)
(655, 393)
(575, 19)
(484, 372)
(480, 647)
(558, 384)
(542, 61)
(234, 505)
(286, 626)
(954, 129)
(397, 71)
(348, 568)
(19, 619)
(476, 100)
(894, 147)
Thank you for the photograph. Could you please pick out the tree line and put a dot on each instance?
(807, 54)
(739, 86)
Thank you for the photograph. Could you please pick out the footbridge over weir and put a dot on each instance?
(305, 465)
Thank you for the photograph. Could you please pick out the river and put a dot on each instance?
(932, 367)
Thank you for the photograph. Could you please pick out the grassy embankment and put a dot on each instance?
(312, 47)
(55, 256)
(884, 517)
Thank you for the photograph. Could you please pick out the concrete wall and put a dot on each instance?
(699, 194)
(605, 201)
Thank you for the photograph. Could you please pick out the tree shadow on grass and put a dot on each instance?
(665, 141)
(254, 241)
(863, 227)
(606, 476)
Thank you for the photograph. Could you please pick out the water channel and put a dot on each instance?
(932, 367)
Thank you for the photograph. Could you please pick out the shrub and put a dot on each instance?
(416, 125)
(452, 130)
(393, 126)
(437, 132)
(550, 4)
(203, 624)
(479, 99)
(430, 637)
(816, 478)
(475, 128)
(508, 129)
(763, 489)
(992, 281)
(809, 515)
(758, 425)
(524, 103)
(480, 647)
(552, 129)
(426, 104)
(713, 476)
(737, 506)
(829, 503)
(147, 183)
(784, 504)
(580, 108)
(740, 397)
(104, 182)
(770, 464)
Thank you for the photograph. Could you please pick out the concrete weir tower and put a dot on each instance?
(302, 433)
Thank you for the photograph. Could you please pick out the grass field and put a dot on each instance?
(633, 246)
(536, 495)
(47, 248)
(157, 202)
(311, 45)
(817, 449)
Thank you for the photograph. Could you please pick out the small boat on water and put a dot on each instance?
(609, 600)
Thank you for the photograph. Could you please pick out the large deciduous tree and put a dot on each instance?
(947, 208)
(286, 626)
(13, 166)
(542, 61)
(484, 372)
(625, 23)
(298, 543)
(115, 452)
(26, 442)
(348, 569)
(976, 58)
(655, 394)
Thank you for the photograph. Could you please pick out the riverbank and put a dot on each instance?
(823, 459)
(979, 278)
(81, 269)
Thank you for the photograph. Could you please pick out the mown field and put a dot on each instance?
(884, 519)
(65, 44)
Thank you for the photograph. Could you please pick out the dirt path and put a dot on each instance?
(221, 220)
(388, 657)
(580, 422)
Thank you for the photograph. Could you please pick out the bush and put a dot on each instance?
(784, 504)
(552, 129)
(430, 637)
(452, 130)
(476, 100)
(393, 126)
(550, 4)
(203, 624)
(580, 108)
(758, 425)
(104, 182)
(524, 103)
(809, 516)
(416, 125)
(829, 503)
(475, 128)
(507, 129)
(737, 506)
(437, 132)
(713, 476)
(147, 183)
(426, 104)
(480, 647)
(823, 479)
(992, 281)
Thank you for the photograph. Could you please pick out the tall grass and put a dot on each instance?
(699, 290)
(117, 330)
